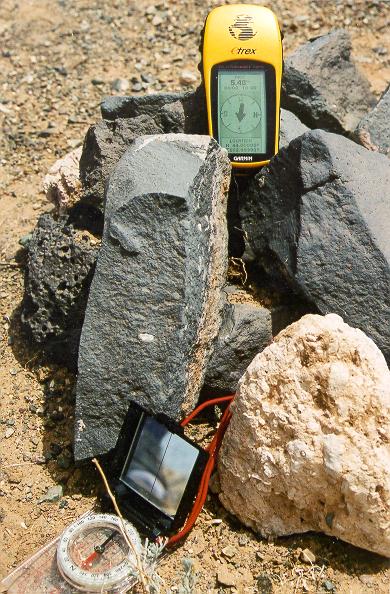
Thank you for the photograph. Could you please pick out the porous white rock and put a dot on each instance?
(308, 446)
(62, 182)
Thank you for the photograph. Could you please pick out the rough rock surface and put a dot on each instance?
(323, 87)
(62, 183)
(60, 265)
(318, 217)
(290, 127)
(245, 331)
(127, 118)
(154, 305)
(308, 444)
(186, 110)
(373, 131)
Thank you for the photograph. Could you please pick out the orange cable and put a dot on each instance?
(213, 449)
(204, 405)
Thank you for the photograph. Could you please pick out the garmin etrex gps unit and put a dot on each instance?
(242, 70)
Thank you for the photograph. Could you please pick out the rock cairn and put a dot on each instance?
(307, 447)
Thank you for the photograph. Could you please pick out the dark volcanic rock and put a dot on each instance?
(323, 87)
(373, 131)
(127, 118)
(318, 217)
(290, 127)
(60, 266)
(154, 306)
(245, 331)
(184, 110)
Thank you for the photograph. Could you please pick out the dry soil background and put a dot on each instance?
(58, 58)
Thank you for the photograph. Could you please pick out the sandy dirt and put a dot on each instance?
(58, 58)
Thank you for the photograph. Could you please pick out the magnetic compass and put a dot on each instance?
(93, 555)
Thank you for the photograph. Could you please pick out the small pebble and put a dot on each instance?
(229, 552)
(52, 495)
(307, 556)
(368, 580)
(148, 78)
(329, 586)
(25, 240)
(61, 70)
(120, 84)
(9, 432)
(29, 78)
(46, 133)
(4, 109)
(157, 20)
(381, 50)
(188, 78)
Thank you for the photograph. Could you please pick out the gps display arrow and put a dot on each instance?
(240, 113)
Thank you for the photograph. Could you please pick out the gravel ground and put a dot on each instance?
(58, 59)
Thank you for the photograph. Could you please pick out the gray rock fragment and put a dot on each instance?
(60, 266)
(318, 217)
(323, 87)
(157, 106)
(52, 495)
(245, 331)
(127, 118)
(373, 131)
(290, 127)
(154, 305)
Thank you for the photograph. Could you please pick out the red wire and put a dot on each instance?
(213, 449)
(204, 405)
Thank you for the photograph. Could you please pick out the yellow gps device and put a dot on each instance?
(242, 71)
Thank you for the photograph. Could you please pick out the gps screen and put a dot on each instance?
(242, 109)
